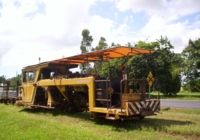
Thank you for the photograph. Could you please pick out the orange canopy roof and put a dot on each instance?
(103, 55)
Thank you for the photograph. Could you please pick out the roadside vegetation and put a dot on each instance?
(20, 123)
(183, 95)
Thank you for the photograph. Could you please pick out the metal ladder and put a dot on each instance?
(102, 92)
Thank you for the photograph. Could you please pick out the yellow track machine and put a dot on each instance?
(52, 85)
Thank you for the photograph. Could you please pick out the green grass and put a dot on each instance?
(19, 123)
(183, 95)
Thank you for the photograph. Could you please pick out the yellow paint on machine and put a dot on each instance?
(39, 79)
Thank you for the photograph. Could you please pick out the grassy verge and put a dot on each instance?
(183, 95)
(19, 123)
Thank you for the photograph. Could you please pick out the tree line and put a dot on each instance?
(173, 70)
(13, 81)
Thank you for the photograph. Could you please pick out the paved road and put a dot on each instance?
(180, 103)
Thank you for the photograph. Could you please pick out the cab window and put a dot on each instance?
(28, 76)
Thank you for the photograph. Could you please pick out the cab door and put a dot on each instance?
(28, 88)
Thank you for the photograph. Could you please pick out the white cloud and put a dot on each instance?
(5, 46)
(178, 33)
(113, 32)
(51, 34)
(164, 19)
(181, 8)
(99, 26)
(164, 8)
(52, 29)
(150, 6)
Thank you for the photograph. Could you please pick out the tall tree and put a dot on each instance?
(149, 45)
(191, 55)
(86, 41)
(2, 79)
(86, 47)
(15, 81)
(112, 44)
(163, 63)
(102, 44)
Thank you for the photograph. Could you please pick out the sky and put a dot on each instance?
(51, 29)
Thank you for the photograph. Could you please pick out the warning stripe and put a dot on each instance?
(154, 103)
(137, 104)
(132, 109)
(135, 108)
(156, 106)
(151, 105)
(148, 104)
(143, 103)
